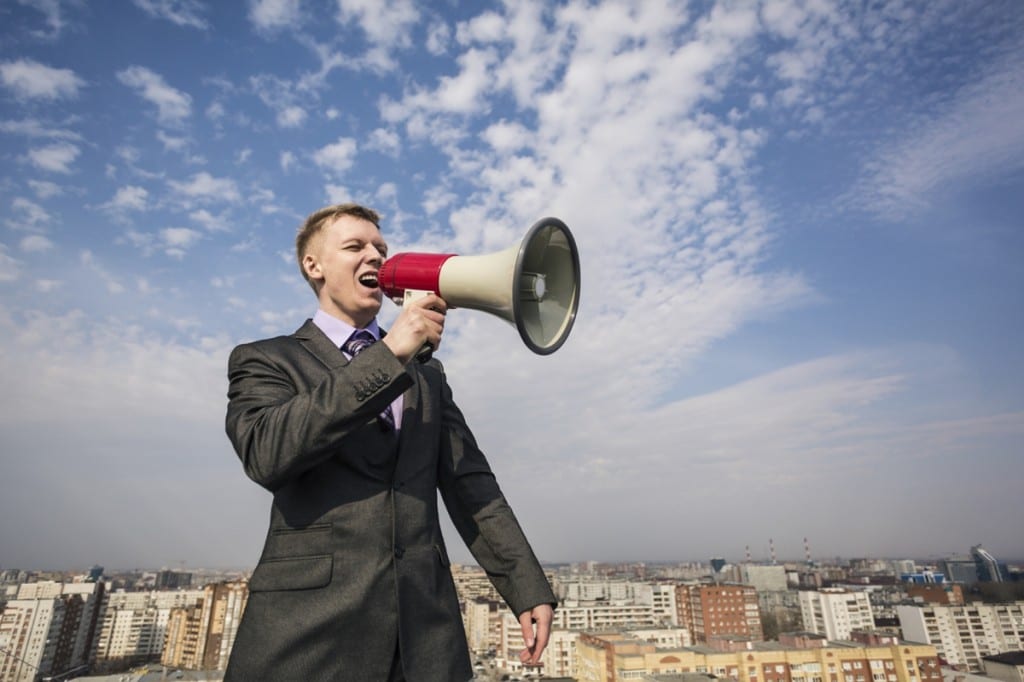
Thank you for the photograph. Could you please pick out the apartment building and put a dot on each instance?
(965, 634)
(200, 635)
(764, 578)
(134, 625)
(616, 656)
(836, 612)
(711, 610)
(48, 629)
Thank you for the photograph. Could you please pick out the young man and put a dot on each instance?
(354, 443)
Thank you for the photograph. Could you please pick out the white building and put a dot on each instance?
(963, 634)
(28, 638)
(45, 629)
(764, 578)
(134, 624)
(836, 612)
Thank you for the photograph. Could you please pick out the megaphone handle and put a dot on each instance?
(426, 351)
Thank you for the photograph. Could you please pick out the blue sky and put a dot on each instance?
(799, 224)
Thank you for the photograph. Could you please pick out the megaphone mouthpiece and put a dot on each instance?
(535, 285)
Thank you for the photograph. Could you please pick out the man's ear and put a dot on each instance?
(311, 266)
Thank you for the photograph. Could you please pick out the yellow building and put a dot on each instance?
(614, 657)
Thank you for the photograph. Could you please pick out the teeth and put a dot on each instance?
(368, 279)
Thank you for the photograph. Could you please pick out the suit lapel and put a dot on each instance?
(317, 343)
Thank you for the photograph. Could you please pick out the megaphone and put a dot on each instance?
(535, 285)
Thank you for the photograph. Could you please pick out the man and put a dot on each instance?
(354, 580)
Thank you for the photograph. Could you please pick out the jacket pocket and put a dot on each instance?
(293, 573)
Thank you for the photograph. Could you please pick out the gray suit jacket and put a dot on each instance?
(354, 563)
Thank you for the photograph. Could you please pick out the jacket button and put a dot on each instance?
(399, 551)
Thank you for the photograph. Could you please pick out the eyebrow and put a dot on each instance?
(380, 244)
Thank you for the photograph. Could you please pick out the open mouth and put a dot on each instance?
(369, 280)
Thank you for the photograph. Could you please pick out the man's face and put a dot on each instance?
(344, 260)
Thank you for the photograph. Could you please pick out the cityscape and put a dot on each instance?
(955, 619)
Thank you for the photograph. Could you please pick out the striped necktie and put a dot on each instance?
(356, 344)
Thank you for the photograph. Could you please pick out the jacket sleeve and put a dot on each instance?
(483, 517)
(280, 426)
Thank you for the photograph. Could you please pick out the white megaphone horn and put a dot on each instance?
(535, 285)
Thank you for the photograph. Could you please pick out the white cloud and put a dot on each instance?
(88, 260)
(286, 161)
(186, 13)
(387, 23)
(284, 97)
(177, 240)
(45, 189)
(488, 27)
(34, 128)
(35, 243)
(173, 106)
(210, 222)
(291, 117)
(204, 187)
(460, 94)
(216, 111)
(438, 35)
(977, 136)
(337, 157)
(128, 198)
(55, 158)
(505, 136)
(171, 143)
(249, 244)
(273, 15)
(10, 269)
(51, 9)
(27, 215)
(29, 79)
(171, 241)
(437, 198)
(385, 141)
(336, 194)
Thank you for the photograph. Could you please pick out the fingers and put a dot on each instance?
(431, 302)
(427, 316)
(420, 322)
(536, 627)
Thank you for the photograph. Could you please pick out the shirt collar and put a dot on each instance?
(337, 330)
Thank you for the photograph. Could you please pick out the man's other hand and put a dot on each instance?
(536, 624)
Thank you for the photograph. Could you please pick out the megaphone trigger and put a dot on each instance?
(425, 353)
